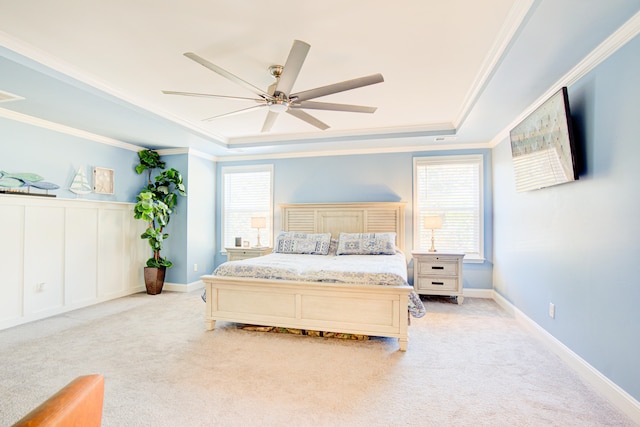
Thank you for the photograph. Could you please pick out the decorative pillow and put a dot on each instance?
(302, 243)
(367, 244)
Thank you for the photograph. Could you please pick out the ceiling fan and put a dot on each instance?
(278, 97)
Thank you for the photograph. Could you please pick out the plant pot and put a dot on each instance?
(154, 279)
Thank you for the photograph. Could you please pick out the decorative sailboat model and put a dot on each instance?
(80, 183)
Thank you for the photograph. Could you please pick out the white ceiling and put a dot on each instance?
(459, 67)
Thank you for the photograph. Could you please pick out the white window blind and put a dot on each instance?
(247, 191)
(450, 187)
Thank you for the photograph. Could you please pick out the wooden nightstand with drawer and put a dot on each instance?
(235, 253)
(437, 273)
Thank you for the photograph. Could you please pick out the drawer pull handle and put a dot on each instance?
(437, 267)
(438, 283)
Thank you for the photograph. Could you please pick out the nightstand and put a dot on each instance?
(436, 273)
(235, 254)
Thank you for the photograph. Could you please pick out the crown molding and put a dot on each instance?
(513, 23)
(604, 50)
(356, 151)
(202, 155)
(351, 135)
(172, 151)
(188, 151)
(56, 127)
(612, 44)
(48, 61)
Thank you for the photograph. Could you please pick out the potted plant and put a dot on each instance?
(154, 205)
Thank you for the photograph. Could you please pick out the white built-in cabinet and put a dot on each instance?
(57, 255)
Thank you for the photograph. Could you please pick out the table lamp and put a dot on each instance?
(432, 222)
(258, 222)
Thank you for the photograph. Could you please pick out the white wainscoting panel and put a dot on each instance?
(137, 251)
(43, 259)
(111, 252)
(11, 261)
(81, 255)
(57, 255)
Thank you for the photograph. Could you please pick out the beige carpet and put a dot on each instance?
(469, 365)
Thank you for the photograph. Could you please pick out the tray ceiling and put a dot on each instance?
(101, 67)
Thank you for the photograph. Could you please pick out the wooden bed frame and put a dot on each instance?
(357, 309)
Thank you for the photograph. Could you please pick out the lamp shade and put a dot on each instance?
(258, 222)
(432, 222)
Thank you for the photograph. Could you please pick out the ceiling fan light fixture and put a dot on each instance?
(278, 98)
(278, 105)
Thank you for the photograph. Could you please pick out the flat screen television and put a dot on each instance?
(543, 146)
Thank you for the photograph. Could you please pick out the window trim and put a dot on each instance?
(464, 158)
(224, 171)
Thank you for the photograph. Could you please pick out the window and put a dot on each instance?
(247, 191)
(450, 187)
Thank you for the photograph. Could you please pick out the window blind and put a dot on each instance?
(247, 192)
(450, 187)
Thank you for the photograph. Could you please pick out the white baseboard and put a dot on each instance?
(603, 385)
(10, 323)
(181, 287)
(477, 293)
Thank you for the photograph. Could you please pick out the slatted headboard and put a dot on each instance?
(371, 217)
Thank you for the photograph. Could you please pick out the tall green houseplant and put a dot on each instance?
(155, 203)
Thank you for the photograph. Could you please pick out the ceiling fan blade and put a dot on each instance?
(228, 75)
(308, 118)
(272, 88)
(269, 121)
(337, 87)
(292, 67)
(233, 113)
(313, 105)
(208, 95)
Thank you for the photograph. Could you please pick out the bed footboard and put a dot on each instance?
(357, 309)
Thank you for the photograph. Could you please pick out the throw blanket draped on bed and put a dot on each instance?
(354, 269)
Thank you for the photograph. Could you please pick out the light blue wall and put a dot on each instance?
(577, 245)
(201, 218)
(175, 247)
(362, 178)
(192, 227)
(57, 156)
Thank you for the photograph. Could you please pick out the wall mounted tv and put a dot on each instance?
(543, 146)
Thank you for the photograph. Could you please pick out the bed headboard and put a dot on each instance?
(371, 217)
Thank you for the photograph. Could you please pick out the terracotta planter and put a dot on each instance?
(154, 279)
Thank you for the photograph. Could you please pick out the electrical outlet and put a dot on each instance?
(552, 310)
(195, 267)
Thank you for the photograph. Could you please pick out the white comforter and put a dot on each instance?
(359, 269)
